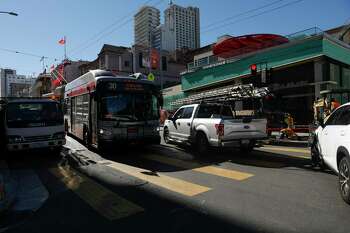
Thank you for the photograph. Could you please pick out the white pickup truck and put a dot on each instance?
(213, 125)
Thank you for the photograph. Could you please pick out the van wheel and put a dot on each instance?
(344, 176)
(202, 144)
(66, 126)
(166, 135)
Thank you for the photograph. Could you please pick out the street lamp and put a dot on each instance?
(10, 13)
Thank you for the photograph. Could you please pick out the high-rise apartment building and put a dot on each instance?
(183, 24)
(146, 20)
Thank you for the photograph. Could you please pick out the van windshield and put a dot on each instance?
(33, 114)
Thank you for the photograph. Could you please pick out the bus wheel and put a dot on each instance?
(86, 137)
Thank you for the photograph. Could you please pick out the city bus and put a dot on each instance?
(103, 109)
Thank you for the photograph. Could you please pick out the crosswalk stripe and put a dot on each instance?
(176, 185)
(105, 202)
(303, 151)
(212, 170)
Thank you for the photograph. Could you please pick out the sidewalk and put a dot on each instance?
(8, 187)
(21, 194)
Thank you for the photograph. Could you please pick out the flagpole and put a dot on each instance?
(65, 49)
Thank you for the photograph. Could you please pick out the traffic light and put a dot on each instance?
(253, 69)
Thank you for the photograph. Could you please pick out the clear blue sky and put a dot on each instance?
(41, 24)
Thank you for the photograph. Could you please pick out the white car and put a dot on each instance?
(332, 147)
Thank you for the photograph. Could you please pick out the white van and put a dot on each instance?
(33, 123)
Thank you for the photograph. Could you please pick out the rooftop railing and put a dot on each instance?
(214, 60)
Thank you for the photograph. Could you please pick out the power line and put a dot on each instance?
(122, 21)
(240, 14)
(104, 29)
(27, 54)
(253, 16)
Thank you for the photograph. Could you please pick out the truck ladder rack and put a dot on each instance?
(230, 93)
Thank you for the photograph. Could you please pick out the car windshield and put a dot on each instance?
(33, 114)
(130, 107)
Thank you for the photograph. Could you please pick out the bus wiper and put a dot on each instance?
(128, 117)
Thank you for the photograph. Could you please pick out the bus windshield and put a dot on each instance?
(33, 114)
(130, 107)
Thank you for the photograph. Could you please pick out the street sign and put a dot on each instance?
(150, 77)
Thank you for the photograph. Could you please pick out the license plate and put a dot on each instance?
(132, 130)
(245, 141)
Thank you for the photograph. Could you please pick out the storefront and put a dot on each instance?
(296, 72)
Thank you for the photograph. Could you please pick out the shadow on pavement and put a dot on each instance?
(137, 156)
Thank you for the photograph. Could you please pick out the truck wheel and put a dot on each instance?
(202, 145)
(246, 149)
(344, 176)
(166, 135)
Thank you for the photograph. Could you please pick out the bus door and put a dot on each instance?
(93, 119)
(72, 114)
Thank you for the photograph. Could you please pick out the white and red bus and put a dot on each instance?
(104, 109)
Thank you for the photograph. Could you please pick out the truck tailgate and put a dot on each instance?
(236, 129)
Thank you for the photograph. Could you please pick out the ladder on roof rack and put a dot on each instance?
(231, 93)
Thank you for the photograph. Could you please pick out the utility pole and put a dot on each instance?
(161, 61)
(65, 48)
(42, 59)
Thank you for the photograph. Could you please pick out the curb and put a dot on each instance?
(7, 188)
(288, 143)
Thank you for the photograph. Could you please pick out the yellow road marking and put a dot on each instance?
(105, 202)
(167, 182)
(212, 170)
(286, 149)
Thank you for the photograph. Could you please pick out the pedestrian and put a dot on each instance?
(334, 104)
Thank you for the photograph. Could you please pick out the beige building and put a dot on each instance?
(125, 61)
(146, 20)
(184, 23)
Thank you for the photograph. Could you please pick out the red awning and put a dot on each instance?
(244, 44)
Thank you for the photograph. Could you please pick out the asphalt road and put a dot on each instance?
(166, 189)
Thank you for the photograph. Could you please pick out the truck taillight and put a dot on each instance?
(219, 129)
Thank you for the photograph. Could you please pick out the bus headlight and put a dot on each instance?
(105, 132)
(15, 139)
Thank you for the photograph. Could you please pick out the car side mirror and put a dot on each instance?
(320, 123)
